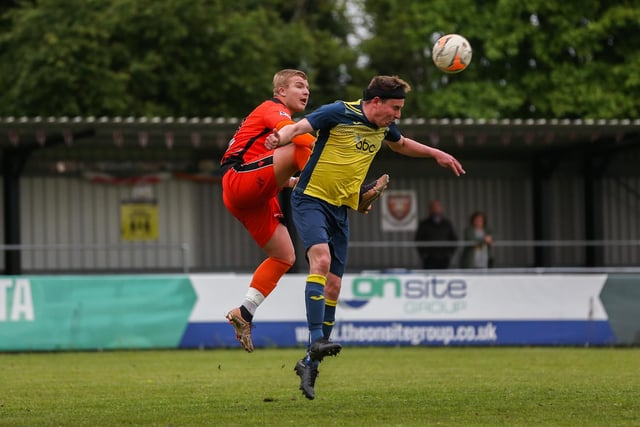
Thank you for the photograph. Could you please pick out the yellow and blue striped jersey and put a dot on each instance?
(346, 145)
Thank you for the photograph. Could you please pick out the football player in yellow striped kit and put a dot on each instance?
(349, 135)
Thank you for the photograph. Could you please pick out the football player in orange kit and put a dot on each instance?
(252, 178)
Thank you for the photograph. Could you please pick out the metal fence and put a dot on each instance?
(179, 257)
(107, 258)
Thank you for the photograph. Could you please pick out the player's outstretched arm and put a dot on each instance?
(286, 133)
(409, 147)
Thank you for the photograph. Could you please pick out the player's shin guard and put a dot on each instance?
(301, 155)
(303, 147)
(329, 317)
(268, 274)
(314, 300)
(264, 281)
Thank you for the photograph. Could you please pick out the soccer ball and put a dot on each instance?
(451, 53)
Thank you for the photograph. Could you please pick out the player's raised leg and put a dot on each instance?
(371, 192)
(290, 159)
(281, 257)
(263, 220)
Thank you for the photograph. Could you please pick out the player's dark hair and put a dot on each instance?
(386, 87)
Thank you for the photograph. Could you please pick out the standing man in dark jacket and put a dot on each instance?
(435, 228)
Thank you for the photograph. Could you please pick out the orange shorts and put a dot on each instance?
(250, 193)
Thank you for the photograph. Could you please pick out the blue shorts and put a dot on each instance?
(320, 222)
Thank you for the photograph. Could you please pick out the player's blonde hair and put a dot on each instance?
(281, 78)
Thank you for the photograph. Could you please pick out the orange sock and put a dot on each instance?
(301, 155)
(303, 145)
(267, 275)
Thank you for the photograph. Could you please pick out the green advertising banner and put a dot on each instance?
(621, 299)
(93, 312)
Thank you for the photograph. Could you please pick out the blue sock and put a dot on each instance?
(329, 317)
(314, 299)
(307, 361)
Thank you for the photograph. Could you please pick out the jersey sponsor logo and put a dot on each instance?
(284, 113)
(363, 145)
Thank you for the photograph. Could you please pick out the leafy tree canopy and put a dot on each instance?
(552, 58)
(541, 58)
(171, 57)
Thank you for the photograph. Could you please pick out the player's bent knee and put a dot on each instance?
(320, 263)
(301, 155)
(289, 259)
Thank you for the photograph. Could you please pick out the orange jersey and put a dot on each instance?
(249, 186)
(248, 142)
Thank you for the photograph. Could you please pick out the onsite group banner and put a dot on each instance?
(188, 311)
(416, 309)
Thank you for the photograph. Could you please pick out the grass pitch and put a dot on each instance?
(360, 387)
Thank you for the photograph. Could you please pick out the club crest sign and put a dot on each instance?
(399, 210)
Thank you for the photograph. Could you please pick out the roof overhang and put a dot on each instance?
(185, 139)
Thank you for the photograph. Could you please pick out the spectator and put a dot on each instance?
(435, 228)
(480, 253)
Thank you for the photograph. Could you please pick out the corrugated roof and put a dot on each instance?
(214, 132)
(234, 120)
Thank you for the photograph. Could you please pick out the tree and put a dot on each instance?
(174, 57)
(554, 59)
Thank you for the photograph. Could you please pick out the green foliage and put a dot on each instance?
(555, 59)
(361, 387)
(552, 59)
(146, 58)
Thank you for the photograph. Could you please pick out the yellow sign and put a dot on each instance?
(139, 220)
